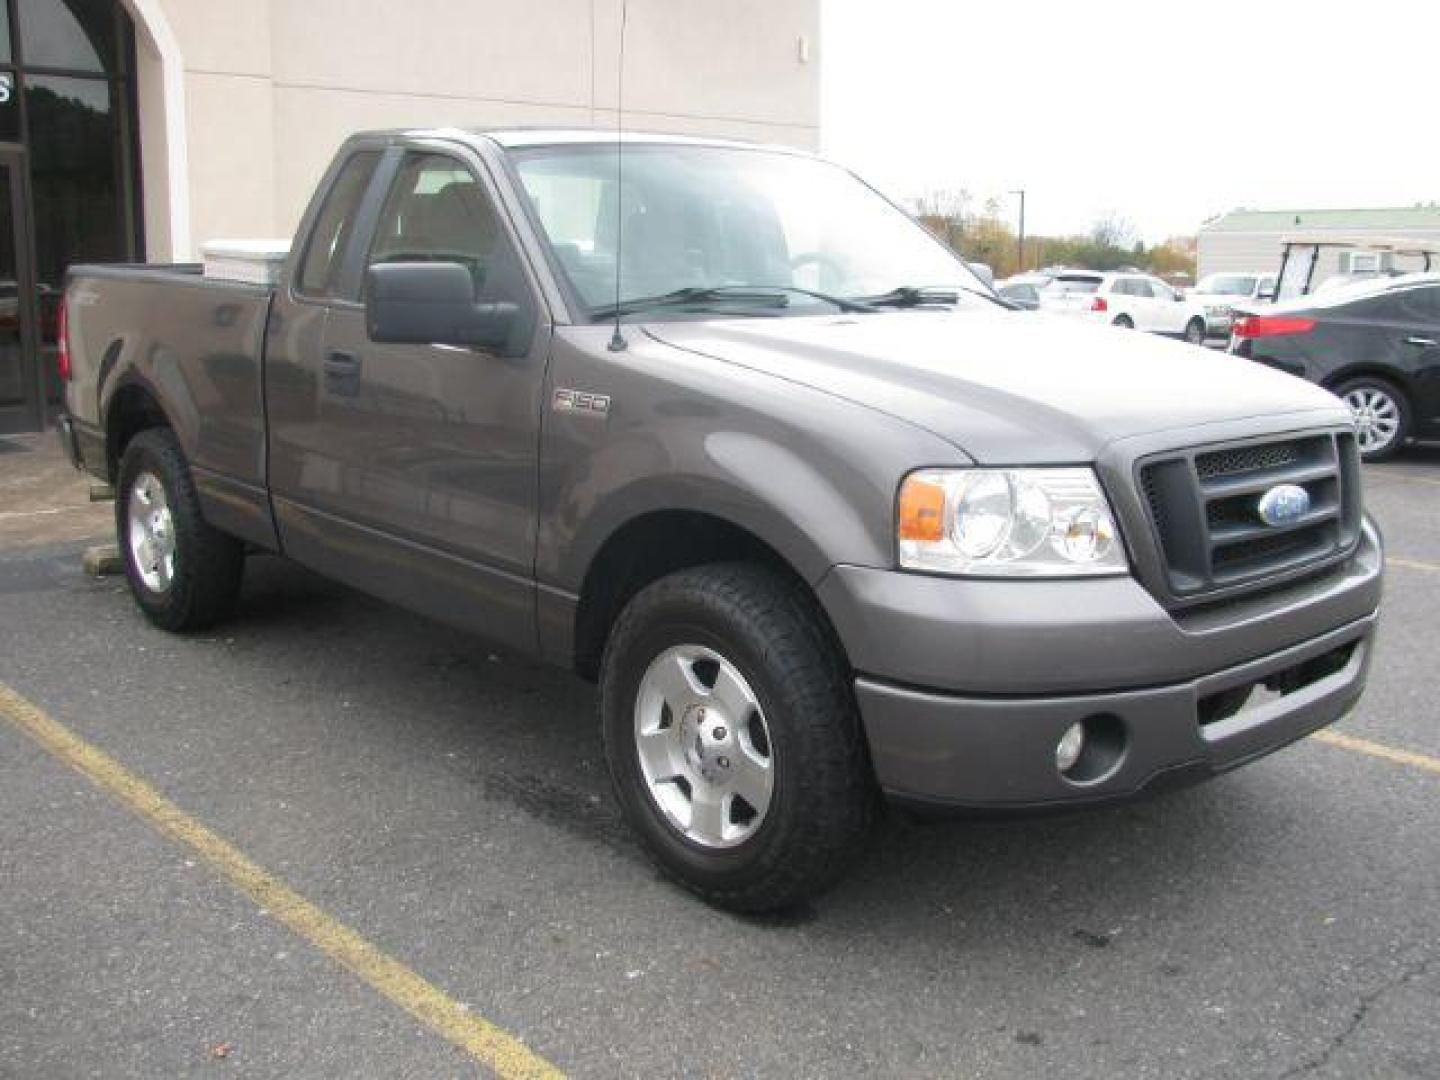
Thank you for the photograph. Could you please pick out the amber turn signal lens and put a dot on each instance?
(922, 511)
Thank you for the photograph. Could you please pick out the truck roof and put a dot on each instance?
(522, 137)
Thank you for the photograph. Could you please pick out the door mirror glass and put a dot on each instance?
(433, 303)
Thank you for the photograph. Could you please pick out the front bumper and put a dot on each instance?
(967, 686)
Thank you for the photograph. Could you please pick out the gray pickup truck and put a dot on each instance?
(736, 438)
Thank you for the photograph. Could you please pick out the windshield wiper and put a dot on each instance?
(909, 296)
(776, 296)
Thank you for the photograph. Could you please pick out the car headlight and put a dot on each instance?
(1008, 523)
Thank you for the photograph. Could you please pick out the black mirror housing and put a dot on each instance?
(433, 303)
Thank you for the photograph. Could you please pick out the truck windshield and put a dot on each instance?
(720, 224)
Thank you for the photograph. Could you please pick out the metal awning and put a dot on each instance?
(1394, 245)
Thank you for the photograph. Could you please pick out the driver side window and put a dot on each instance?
(438, 211)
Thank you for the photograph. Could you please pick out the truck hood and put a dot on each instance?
(1011, 388)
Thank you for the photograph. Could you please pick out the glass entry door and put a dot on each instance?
(22, 387)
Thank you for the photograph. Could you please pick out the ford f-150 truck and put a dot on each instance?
(721, 428)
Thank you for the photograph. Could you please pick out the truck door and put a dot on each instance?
(425, 489)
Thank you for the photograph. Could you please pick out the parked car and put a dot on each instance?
(1376, 344)
(1130, 301)
(1023, 290)
(1220, 294)
(824, 522)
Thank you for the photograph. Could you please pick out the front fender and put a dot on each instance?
(768, 490)
(811, 475)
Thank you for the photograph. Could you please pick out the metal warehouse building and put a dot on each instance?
(135, 129)
(1249, 240)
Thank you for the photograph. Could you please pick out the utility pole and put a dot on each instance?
(1021, 245)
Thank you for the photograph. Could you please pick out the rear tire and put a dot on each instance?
(1123, 322)
(1382, 415)
(184, 574)
(720, 686)
(1195, 331)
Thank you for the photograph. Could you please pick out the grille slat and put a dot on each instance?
(1260, 480)
(1232, 533)
(1204, 511)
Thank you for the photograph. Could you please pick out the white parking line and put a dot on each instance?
(1372, 474)
(46, 512)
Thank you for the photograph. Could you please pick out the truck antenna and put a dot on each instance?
(617, 339)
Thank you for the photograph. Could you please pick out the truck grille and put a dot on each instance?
(1204, 507)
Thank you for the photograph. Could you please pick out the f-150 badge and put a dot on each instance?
(578, 401)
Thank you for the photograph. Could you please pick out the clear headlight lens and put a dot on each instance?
(1008, 523)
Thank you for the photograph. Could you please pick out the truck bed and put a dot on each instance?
(195, 343)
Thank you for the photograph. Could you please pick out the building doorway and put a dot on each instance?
(69, 190)
(20, 389)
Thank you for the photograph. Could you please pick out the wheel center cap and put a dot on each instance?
(707, 735)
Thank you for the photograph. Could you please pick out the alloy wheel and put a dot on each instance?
(1377, 417)
(704, 746)
(151, 532)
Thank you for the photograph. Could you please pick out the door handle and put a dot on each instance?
(1423, 342)
(342, 374)
(342, 364)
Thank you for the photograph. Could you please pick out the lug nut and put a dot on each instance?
(719, 734)
(724, 762)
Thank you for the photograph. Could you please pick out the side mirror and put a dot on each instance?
(983, 272)
(432, 303)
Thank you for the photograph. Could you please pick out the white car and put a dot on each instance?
(1220, 294)
(1132, 301)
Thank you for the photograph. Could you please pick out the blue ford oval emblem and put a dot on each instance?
(1284, 504)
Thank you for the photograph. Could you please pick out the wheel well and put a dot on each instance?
(133, 411)
(1366, 372)
(647, 549)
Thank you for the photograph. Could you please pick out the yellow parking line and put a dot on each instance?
(488, 1044)
(1378, 750)
(1412, 564)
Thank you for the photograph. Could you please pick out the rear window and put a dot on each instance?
(331, 234)
(1227, 285)
(1072, 286)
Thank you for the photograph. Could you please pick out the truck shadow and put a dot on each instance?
(526, 736)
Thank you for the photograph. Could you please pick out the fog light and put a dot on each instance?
(1068, 749)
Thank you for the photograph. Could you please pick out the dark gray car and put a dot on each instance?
(739, 439)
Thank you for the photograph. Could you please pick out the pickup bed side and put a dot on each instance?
(164, 343)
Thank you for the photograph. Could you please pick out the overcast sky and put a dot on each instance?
(1165, 112)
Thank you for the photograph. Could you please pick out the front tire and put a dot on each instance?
(733, 739)
(1195, 331)
(1382, 415)
(183, 573)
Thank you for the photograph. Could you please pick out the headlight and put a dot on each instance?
(1008, 523)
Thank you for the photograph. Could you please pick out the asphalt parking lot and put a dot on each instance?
(447, 808)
